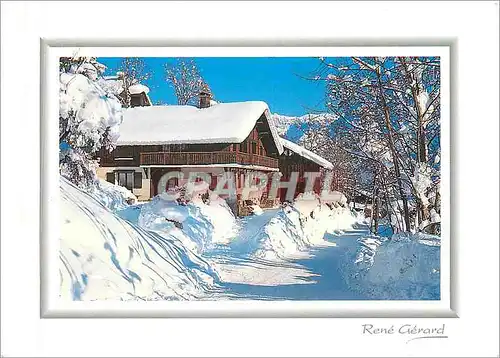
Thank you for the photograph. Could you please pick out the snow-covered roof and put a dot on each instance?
(138, 88)
(219, 123)
(306, 153)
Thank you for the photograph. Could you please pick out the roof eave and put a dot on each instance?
(323, 162)
(274, 132)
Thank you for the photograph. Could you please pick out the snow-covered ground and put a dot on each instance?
(404, 267)
(105, 257)
(163, 250)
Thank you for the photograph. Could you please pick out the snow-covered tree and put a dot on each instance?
(185, 78)
(388, 120)
(133, 70)
(89, 118)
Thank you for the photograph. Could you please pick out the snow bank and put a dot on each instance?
(334, 197)
(223, 221)
(284, 123)
(282, 236)
(295, 228)
(113, 197)
(105, 257)
(404, 267)
(197, 225)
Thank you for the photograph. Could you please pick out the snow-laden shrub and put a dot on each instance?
(282, 236)
(199, 225)
(114, 197)
(404, 267)
(256, 210)
(105, 257)
(77, 166)
(220, 215)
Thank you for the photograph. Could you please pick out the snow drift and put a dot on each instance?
(198, 225)
(297, 227)
(105, 257)
(404, 267)
(113, 197)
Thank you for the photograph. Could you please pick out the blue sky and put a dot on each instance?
(231, 79)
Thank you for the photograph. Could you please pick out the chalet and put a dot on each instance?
(237, 137)
(213, 138)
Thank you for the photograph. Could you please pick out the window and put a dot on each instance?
(235, 146)
(126, 179)
(254, 148)
(243, 147)
(110, 177)
(172, 183)
(178, 147)
(129, 179)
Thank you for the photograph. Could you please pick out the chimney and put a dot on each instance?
(205, 96)
(139, 95)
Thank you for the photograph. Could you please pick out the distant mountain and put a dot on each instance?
(293, 127)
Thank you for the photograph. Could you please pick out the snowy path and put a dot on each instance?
(110, 250)
(315, 275)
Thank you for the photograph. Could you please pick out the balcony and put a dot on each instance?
(206, 158)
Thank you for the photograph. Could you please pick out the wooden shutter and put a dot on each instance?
(110, 177)
(137, 180)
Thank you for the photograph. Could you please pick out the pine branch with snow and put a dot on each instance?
(89, 118)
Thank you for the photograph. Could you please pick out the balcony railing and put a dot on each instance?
(248, 159)
(206, 158)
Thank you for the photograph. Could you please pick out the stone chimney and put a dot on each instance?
(139, 95)
(205, 96)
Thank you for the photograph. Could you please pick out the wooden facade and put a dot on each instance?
(290, 162)
(140, 167)
(253, 151)
(258, 152)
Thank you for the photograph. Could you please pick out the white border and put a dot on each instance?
(54, 308)
(471, 25)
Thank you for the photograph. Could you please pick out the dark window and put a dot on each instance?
(138, 100)
(235, 146)
(138, 180)
(254, 148)
(243, 147)
(126, 179)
